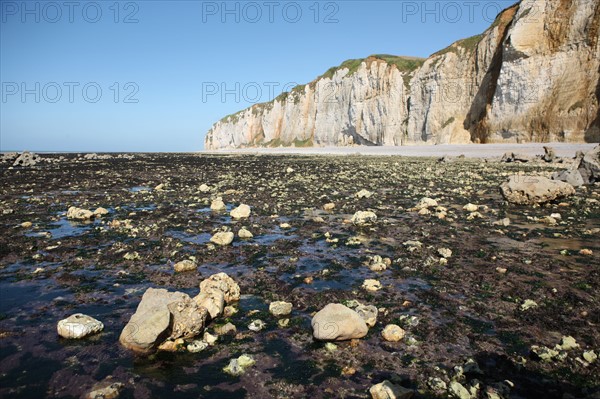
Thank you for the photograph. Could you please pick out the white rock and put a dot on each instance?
(218, 205)
(280, 308)
(78, 326)
(363, 217)
(242, 211)
(387, 390)
(336, 322)
(245, 234)
(393, 333)
(222, 238)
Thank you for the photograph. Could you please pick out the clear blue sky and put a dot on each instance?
(161, 74)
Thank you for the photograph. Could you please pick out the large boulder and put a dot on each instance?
(589, 166)
(224, 283)
(571, 176)
(160, 315)
(534, 189)
(336, 322)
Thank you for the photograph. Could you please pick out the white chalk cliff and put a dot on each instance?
(534, 75)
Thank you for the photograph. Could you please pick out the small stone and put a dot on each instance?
(371, 285)
(26, 225)
(229, 311)
(222, 238)
(331, 347)
(78, 326)
(160, 187)
(393, 333)
(363, 194)
(544, 353)
(197, 346)
(280, 308)
(106, 389)
(387, 390)
(368, 313)
(590, 356)
(185, 266)
(237, 367)
(437, 384)
(172, 345)
(568, 343)
(285, 226)
(470, 207)
(100, 211)
(211, 339)
(242, 211)
(528, 304)
(283, 322)
(329, 206)
(226, 329)
(458, 391)
(501, 270)
(445, 252)
(256, 325)
(79, 214)
(245, 234)
(204, 188)
(586, 252)
(131, 256)
(218, 205)
(502, 222)
(363, 217)
(425, 203)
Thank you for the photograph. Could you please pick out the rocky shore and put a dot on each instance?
(278, 276)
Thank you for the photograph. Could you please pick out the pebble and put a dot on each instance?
(245, 234)
(470, 207)
(329, 206)
(256, 325)
(393, 333)
(528, 304)
(280, 308)
(371, 285)
(237, 367)
(185, 266)
(197, 346)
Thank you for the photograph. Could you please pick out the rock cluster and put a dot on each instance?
(166, 319)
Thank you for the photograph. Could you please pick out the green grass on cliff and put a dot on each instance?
(469, 44)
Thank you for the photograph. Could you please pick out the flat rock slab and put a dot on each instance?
(526, 190)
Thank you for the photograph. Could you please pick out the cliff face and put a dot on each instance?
(532, 76)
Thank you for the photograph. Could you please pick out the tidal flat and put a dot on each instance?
(487, 292)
